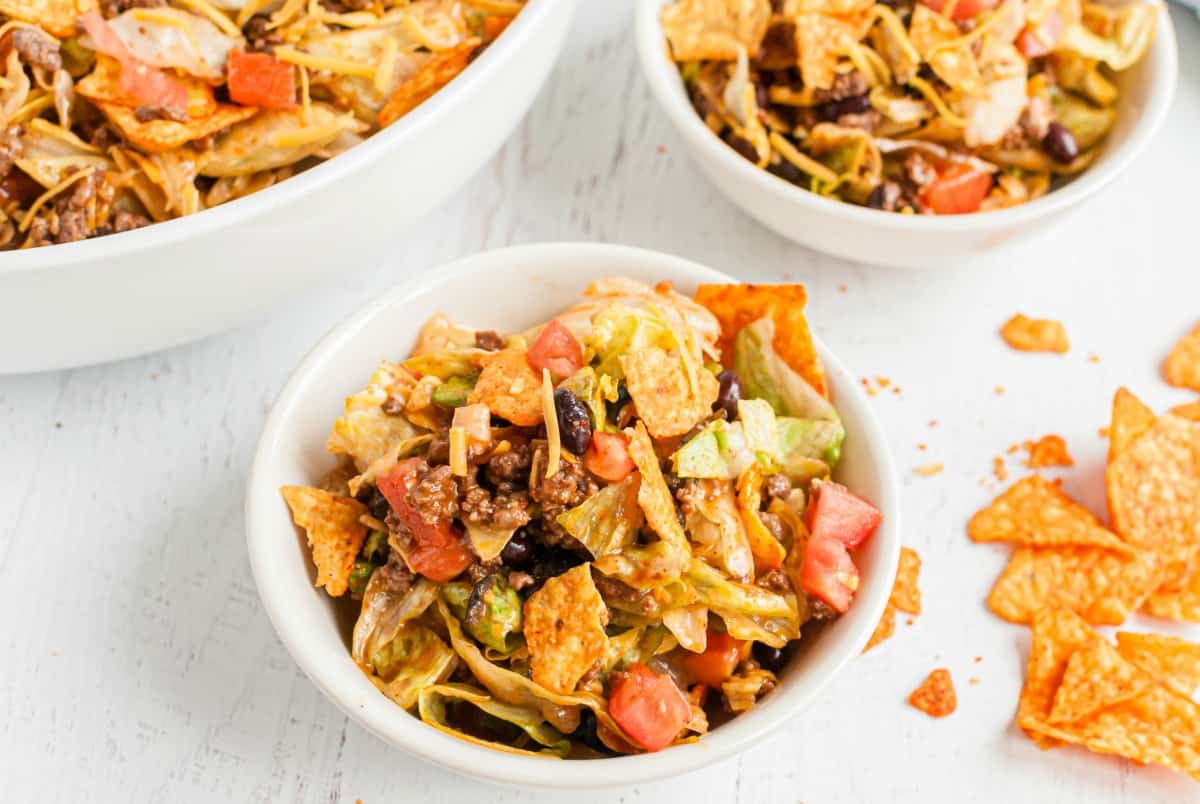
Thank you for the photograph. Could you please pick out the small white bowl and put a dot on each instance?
(125, 294)
(886, 238)
(510, 290)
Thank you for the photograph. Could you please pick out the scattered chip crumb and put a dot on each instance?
(1188, 410)
(999, 470)
(662, 149)
(1035, 334)
(58, 425)
(973, 680)
(908, 621)
(1102, 431)
(1049, 450)
(935, 697)
(841, 288)
(929, 469)
(999, 389)
(1182, 366)
(1093, 358)
(978, 659)
(53, 653)
(933, 422)
(922, 447)
(896, 390)
(866, 384)
(882, 382)
(1012, 449)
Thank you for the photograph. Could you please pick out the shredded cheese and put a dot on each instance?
(206, 9)
(458, 451)
(320, 132)
(32, 109)
(305, 97)
(168, 19)
(931, 95)
(284, 15)
(387, 64)
(249, 10)
(501, 8)
(812, 167)
(342, 66)
(56, 131)
(53, 191)
(553, 437)
(891, 21)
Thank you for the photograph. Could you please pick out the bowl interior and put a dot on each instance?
(1146, 90)
(509, 290)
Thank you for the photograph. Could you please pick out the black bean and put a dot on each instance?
(770, 658)
(1060, 143)
(574, 421)
(729, 394)
(519, 550)
(856, 104)
(788, 172)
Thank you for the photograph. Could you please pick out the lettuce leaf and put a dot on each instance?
(620, 330)
(764, 375)
(723, 595)
(436, 701)
(494, 613)
(717, 530)
(606, 522)
(414, 659)
(383, 613)
(810, 438)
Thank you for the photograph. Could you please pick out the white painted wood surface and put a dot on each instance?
(138, 665)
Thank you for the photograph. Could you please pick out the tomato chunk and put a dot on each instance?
(957, 190)
(259, 79)
(963, 9)
(829, 573)
(716, 664)
(555, 348)
(837, 513)
(437, 550)
(648, 707)
(607, 457)
(1039, 40)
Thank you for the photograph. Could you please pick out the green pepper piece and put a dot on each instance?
(453, 392)
(494, 612)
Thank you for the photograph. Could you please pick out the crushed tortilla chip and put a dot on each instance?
(1035, 334)
(1049, 450)
(564, 629)
(157, 136)
(1178, 604)
(663, 398)
(654, 496)
(700, 30)
(1096, 677)
(432, 76)
(1182, 366)
(54, 16)
(1103, 586)
(935, 697)
(103, 85)
(884, 629)
(1154, 495)
(335, 533)
(929, 469)
(1130, 418)
(906, 596)
(738, 306)
(1057, 633)
(1170, 659)
(1188, 410)
(1036, 513)
(509, 387)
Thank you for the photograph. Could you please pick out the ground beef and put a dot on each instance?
(72, 226)
(260, 36)
(773, 523)
(869, 120)
(86, 200)
(845, 85)
(777, 581)
(481, 569)
(37, 49)
(103, 136)
(777, 486)
(505, 510)
(511, 466)
(616, 591)
(435, 495)
(489, 339)
(689, 494)
(128, 221)
(394, 576)
(518, 580)
(919, 171)
(114, 8)
(567, 488)
(148, 113)
(820, 610)
(395, 407)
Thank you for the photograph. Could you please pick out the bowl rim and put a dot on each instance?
(507, 47)
(262, 517)
(662, 76)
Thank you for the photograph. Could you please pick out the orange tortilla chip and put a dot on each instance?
(1130, 418)
(156, 136)
(658, 385)
(1179, 604)
(1035, 334)
(102, 85)
(1101, 585)
(737, 306)
(55, 16)
(1036, 513)
(885, 628)
(1154, 495)
(1096, 678)
(699, 30)
(1057, 633)
(433, 75)
(334, 532)
(654, 496)
(1049, 450)
(1171, 660)
(935, 697)
(509, 387)
(564, 629)
(1182, 366)
(906, 596)
(1188, 410)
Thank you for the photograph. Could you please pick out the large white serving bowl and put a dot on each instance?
(172, 282)
(886, 238)
(510, 290)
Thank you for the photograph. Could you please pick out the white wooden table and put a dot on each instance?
(139, 666)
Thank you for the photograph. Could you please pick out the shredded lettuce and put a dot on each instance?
(717, 531)
(383, 613)
(802, 448)
(606, 522)
(723, 595)
(764, 375)
(810, 438)
(414, 659)
(436, 702)
(759, 427)
(494, 613)
(689, 626)
(620, 330)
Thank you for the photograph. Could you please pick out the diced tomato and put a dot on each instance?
(259, 79)
(963, 9)
(437, 550)
(607, 457)
(145, 85)
(556, 349)
(494, 25)
(958, 189)
(837, 513)
(1039, 40)
(716, 664)
(829, 573)
(648, 707)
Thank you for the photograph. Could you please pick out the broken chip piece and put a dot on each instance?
(1035, 334)
(935, 697)
(1049, 450)
(1182, 366)
(334, 531)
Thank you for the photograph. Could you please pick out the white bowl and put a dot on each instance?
(172, 282)
(886, 238)
(509, 290)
